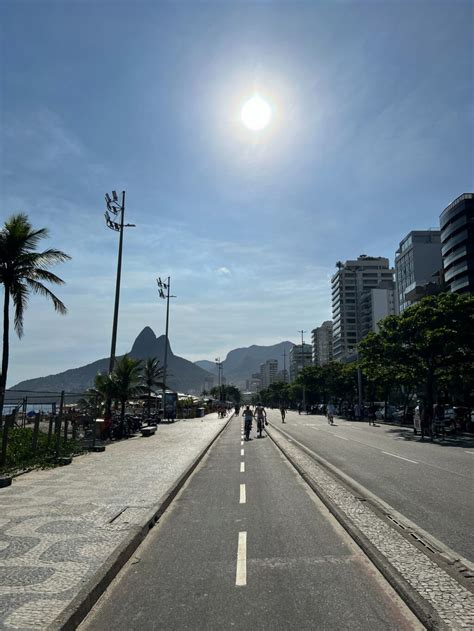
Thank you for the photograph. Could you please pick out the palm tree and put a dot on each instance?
(151, 374)
(22, 271)
(127, 379)
(96, 397)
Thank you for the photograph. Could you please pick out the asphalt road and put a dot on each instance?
(430, 483)
(246, 545)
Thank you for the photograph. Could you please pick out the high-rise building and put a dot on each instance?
(321, 339)
(375, 304)
(268, 372)
(300, 357)
(348, 284)
(417, 262)
(457, 240)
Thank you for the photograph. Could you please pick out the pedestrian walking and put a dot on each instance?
(283, 413)
(330, 411)
(372, 414)
(300, 408)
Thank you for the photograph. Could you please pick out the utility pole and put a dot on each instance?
(116, 208)
(165, 286)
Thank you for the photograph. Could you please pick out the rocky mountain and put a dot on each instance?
(183, 375)
(240, 363)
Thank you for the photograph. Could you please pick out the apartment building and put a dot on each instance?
(300, 356)
(457, 244)
(268, 372)
(417, 264)
(352, 279)
(321, 342)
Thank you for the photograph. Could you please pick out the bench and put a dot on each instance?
(148, 430)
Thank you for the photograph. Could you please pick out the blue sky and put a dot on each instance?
(372, 136)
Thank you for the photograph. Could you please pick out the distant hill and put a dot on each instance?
(183, 375)
(240, 363)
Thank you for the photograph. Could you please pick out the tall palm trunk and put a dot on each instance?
(5, 353)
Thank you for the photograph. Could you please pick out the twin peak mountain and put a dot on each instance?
(183, 375)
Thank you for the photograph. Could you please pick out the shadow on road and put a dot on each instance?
(403, 433)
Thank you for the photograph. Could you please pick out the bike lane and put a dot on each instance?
(247, 545)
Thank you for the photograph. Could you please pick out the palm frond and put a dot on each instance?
(19, 294)
(39, 288)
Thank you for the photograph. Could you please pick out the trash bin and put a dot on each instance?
(200, 412)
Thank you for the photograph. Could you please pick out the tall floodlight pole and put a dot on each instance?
(220, 369)
(162, 287)
(114, 209)
(302, 367)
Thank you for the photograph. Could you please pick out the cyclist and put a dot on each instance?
(248, 418)
(261, 417)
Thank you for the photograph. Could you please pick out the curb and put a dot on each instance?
(423, 610)
(75, 612)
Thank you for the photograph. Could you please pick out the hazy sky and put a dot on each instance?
(372, 136)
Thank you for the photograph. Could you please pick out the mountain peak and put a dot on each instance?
(143, 343)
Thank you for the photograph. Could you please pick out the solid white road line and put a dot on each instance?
(241, 452)
(401, 457)
(343, 437)
(469, 452)
(243, 498)
(241, 573)
(242, 467)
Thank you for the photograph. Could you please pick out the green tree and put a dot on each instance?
(23, 271)
(151, 378)
(430, 344)
(227, 392)
(127, 383)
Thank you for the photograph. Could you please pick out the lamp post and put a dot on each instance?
(220, 374)
(162, 287)
(116, 210)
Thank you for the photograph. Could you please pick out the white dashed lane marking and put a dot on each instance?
(241, 573)
(243, 498)
(401, 457)
(242, 467)
(241, 452)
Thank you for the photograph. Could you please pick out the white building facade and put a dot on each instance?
(349, 284)
(300, 357)
(321, 341)
(417, 261)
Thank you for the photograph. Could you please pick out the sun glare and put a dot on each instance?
(256, 113)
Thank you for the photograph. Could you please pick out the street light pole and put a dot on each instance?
(220, 370)
(167, 286)
(115, 208)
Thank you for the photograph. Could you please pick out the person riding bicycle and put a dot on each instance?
(248, 418)
(261, 417)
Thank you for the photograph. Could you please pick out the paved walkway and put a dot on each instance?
(59, 527)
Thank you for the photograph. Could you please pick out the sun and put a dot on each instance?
(256, 113)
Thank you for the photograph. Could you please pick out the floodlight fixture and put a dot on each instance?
(114, 195)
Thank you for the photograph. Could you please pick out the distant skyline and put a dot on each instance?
(371, 136)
